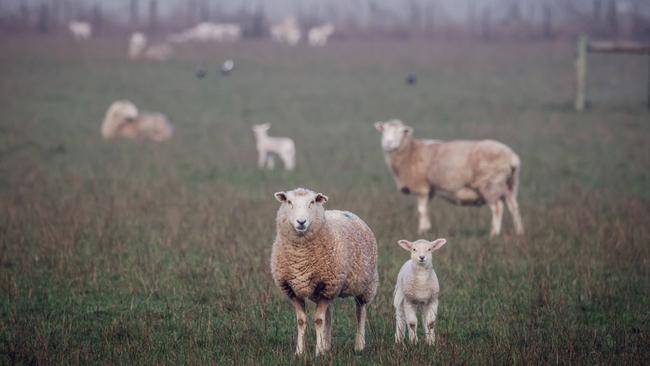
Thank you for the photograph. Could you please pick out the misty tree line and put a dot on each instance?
(524, 19)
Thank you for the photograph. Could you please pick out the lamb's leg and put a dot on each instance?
(430, 314)
(270, 162)
(328, 328)
(411, 321)
(497, 216)
(423, 213)
(513, 207)
(360, 340)
(319, 320)
(289, 160)
(399, 323)
(301, 316)
(261, 158)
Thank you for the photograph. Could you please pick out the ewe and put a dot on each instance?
(286, 31)
(318, 36)
(124, 120)
(81, 31)
(320, 255)
(138, 49)
(462, 172)
(417, 286)
(283, 146)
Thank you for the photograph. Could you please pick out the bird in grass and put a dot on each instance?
(200, 73)
(227, 67)
(411, 78)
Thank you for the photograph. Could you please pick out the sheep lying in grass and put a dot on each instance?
(417, 286)
(266, 145)
(209, 32)
(80, 31)
(320, 255)
(157, 52)
(318, 36)
(462, 172)
(124, 120)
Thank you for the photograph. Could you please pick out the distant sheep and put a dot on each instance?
(318, 36)
(266, 145)
(209, 32)
(320, 255)
(287, 32)
(138, 49)
(462, 172)
(417, 286)
(80, 31)
(124, 120)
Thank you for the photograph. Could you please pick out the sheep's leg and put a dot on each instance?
(289, 161)
(360, 340)
(328, 328)
(301, 316)
(261, 158)
(411, 320)
(497, 217)
(270, 162)
(319, 320)
(430, 315)
(399, 323)
(423, 213)
(513, 207)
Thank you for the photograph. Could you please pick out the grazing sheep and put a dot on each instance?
(124, 120)
(286, 31)
(320, 255)
(417, 286)
(209, 32)
(157, 52)
(283, 146)
(462, 172)
(318, 36)
(81, 31)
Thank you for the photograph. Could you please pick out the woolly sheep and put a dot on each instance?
(462, 172)
(124, 120)
(282, 146)
(417, 286)
(81, 31)
(138, 49)
(320, 255)
(286, 31)
(209, 32)
(318, 36)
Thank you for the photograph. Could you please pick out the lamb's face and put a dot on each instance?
(261, 129)
(123, 110)
(301, 208)
(421, 250)
(393, 134)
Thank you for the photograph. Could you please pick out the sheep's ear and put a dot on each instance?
(267, 125)
(320, 198)
(408, 131)
(405, 244)
(438, 243)
(379, 126)
(280, 196)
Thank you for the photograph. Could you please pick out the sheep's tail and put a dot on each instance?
(513, 179)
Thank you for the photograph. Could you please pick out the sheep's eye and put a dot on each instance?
(289, 202)
(413, 249)
(429, 250)
(312, 202)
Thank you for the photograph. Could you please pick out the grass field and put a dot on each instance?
(142, 253)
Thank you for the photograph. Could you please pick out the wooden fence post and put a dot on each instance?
(581, 73)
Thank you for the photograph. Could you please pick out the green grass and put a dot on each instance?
(141, 253)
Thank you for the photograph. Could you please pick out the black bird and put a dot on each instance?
(200, 73)
(411, 78)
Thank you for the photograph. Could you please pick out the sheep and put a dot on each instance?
(318, 36)
(283, 146)
(81, 31)
(124, 120)
(417, 286)
(138, 49)
(286, 31)
(462, 172)
(209, 32)
(320, 255)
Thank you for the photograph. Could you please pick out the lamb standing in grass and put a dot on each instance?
(124, 120)
(417, 286)
(266, 145)
(320, 255)
(462, 172)
(81, 31)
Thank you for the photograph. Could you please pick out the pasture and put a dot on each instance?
(142, 253)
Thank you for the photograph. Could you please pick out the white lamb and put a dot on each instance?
(321, 255)
(462, 172)
(157, 52)
(286, 31)
(266, 145)
(318, 36)
(124, 120)
(80, 31)
(417, 286)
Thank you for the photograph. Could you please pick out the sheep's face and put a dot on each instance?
(301, 208)
(421, 250)
(261, 129)
(393, 134)
(123, 110)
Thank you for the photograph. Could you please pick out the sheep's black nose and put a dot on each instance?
(421, 257)
(301, 222)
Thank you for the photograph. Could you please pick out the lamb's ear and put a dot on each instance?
(379, 126)
(320, 198)
(408, 131)
(267, 124)
(280, 196)
(438, 243)
(405, 244)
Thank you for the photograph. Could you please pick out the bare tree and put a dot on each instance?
(153, 15)
(598, 11)
(612, 16)
(134, 13)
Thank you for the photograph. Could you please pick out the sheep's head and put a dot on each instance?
(421, 249)
(393, 134)
(302, 209)
(261, 128)
(118, 114)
